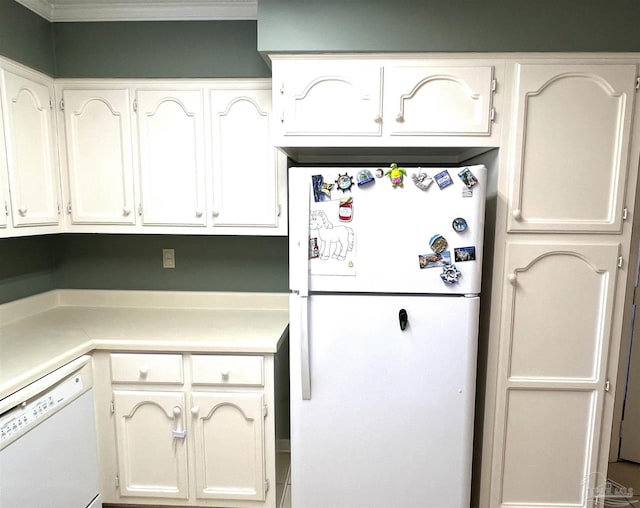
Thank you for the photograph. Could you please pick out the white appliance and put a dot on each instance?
(48, 449)
(385, 281)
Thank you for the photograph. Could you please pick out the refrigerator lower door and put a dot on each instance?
(389, 423)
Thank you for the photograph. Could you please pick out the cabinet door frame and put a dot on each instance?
(126, 404)
(189, 99)
(616, 81)
(522, 256)
(404, 82)
(16, 82)
(251, 407)
(117, 99)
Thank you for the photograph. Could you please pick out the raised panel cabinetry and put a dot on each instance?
(245, 165)
(171, 147)
(190, 157)
(187, 429)
(563, 239)
(571, 147)
(97, 152)
(373, 102)
(29, 129)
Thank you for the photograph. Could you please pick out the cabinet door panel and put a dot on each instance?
(30, 138)
(152, 462)
(99, 156)
(570, 174)
(425, 100)
(244, 161)
(170, 136)
(4, 179)
(556, 329)
(229, 451)
(332, 98)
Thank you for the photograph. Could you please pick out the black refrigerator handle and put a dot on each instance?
(403, 318)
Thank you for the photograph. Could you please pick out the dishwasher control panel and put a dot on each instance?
(29, 413)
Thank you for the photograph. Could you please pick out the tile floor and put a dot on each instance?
(283, 479)
(626, 475)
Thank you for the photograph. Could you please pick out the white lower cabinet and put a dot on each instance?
(152, 451)
(186, 429)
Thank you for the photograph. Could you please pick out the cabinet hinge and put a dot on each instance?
(112, 407)
(494, 85)
(6, 208)
(59, 210)
(62, 104)
(638, 83)
(69, 208)
(607, 385)
(492, 114)
(282, 117)
(279, 210)
(282, 88)
(50, 103)
(117, 481)
(265, 410)
(135, 105)
(267, 484)
(620, 261)
(140, 209)
(625, 213)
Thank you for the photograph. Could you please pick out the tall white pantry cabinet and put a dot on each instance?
(568, 167)
(566, 193)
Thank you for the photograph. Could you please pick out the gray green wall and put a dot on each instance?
(162, 49)
(25, 37)
(448, 25)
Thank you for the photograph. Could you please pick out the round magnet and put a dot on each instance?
(379, 173)
(438, 243)
(450, 274)
(344, 182)
(459, 224)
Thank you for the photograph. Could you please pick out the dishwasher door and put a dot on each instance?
(53, 461)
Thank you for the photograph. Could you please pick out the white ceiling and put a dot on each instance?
(142, 10)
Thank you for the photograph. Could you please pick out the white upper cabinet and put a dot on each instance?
(31, 149)
(570, 147)
(99, 158)
(4, 180)
(172, 153)
(245, 164)
(375, 102)
(329, 98)
(423, 100)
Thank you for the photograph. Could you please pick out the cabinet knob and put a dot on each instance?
(22, 210)
(198, 213)
(215, 213)
(377, 119)
(225, 374)
(399, 117)
(512, 278)
(144, 371)
(126, 211)
(195, 410)
(517, 214)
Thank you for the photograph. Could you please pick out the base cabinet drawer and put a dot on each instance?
(227, 370)
(146, 368)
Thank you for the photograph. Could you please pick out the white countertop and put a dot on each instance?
(43, 332)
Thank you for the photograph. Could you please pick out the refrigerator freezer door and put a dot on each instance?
(385, 239)
(390, 418)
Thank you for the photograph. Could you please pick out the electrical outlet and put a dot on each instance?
(168, 258)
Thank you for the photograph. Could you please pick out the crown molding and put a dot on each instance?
(141, 10)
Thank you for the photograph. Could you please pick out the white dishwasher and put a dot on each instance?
(48, 449)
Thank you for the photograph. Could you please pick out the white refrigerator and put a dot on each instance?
(385, 270)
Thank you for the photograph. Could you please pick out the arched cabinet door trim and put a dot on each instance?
(571, 141)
